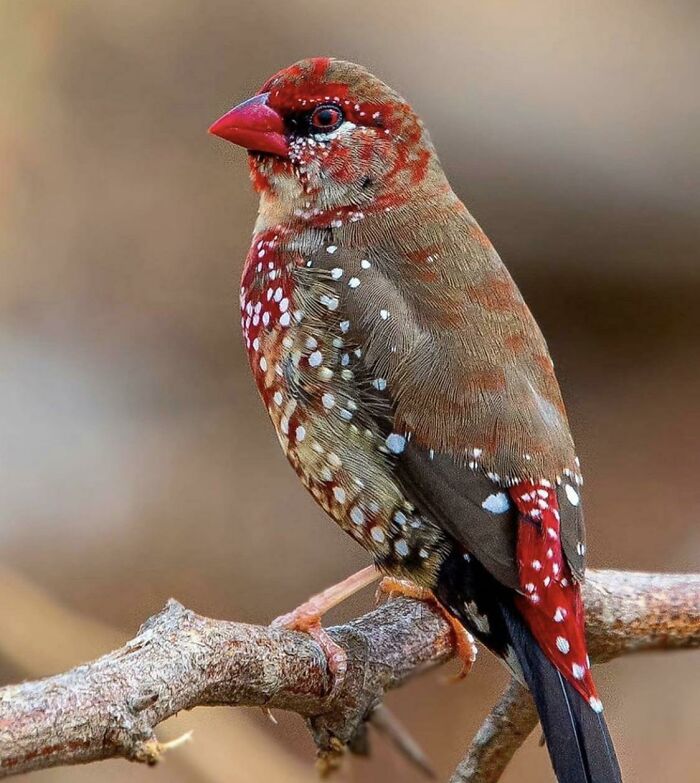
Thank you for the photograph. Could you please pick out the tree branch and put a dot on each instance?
(179, 660)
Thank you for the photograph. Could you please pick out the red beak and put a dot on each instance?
(253, 125)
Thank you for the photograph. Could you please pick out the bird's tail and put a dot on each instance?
(577, 738)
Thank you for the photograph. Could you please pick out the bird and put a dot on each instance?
(412, 390)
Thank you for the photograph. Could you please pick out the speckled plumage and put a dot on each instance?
(406, 379)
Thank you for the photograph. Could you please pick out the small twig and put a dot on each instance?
(388, 724)
(505, 729)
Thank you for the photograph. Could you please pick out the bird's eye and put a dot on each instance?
(326, 118)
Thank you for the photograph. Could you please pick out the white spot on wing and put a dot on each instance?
(572, 495)
(562, 645)
(497, 503)
(396, 443)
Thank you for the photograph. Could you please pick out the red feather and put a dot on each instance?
(551, 599)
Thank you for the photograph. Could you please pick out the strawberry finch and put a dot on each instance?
(410, 387)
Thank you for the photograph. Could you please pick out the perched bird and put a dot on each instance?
(410, 387)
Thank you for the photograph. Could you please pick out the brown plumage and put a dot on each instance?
(408, 382)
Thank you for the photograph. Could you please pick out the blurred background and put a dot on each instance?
(136, 462)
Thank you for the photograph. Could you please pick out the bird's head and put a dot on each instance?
(325, 133)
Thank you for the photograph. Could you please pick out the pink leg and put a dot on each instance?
(307, 618)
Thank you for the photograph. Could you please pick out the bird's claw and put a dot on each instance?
(307, 619)
(464, 644)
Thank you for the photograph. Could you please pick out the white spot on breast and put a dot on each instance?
(401, 547)
(300, 433)
(365, 264)
(336, 273)
(357, 515)
(572, 495)
(277, 397)
(400, 518)
(396, 443)
(339, 494)
(263, 364)
(377, 534)
(331, 302)
(497, 503)
(383, 314)
(536, 565)
(284, 319)
(328, 400)
(562, 645)
(530, 587)
(559, 615)
(596, 704)
(578, 671)
(331, 249)
(379, 384)
(353, 282)
(278, 294)
(315, 358)
(344, 326)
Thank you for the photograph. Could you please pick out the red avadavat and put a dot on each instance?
(410, 386)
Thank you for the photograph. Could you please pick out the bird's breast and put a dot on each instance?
(313, 383)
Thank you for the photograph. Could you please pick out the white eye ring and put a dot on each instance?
(342, 129)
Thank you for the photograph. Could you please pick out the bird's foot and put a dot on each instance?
(309, 622)
(307, 619)
(464, 644)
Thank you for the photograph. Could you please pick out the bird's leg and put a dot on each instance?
(307, 618)
(465, 646)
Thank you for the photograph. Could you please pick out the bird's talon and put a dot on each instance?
(306, 619)
(465, 647)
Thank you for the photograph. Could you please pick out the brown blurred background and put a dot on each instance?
(136, 462)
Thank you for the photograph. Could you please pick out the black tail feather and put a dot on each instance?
(577, 738)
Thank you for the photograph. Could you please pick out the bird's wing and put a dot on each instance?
(463, 375)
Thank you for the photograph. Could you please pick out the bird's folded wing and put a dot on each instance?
(477, 414)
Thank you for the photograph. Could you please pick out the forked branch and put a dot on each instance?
(180, 660)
